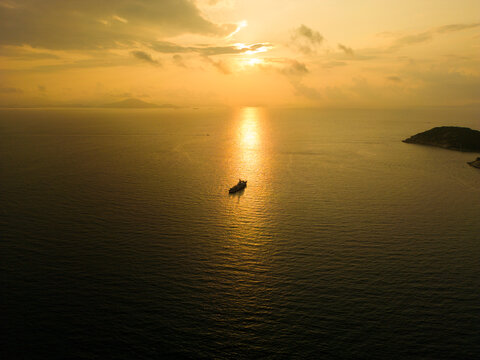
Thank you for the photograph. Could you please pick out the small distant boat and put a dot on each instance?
(242, 184)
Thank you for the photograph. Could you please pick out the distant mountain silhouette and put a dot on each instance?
(448, 137)
(133, 103)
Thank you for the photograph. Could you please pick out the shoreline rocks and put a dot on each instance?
(475, 163)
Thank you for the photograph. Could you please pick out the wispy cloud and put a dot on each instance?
(411, 40)
(141, 55)
(209, 50)
(305, 32)
(10, 90)
(119, 18)
(178, 60)
(306, 91)
(456, 27)
(306, 40)
(294, 68)
(60, 24)
(347, 50)
(296, 71)
(169, 47)
(395, 79)
(233, 49)
(7, 4)
(220, 65)
(333, 64)
(425, 36)
(240, 26)
(26, 53)
(109, 60)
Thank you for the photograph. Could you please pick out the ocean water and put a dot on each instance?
(119, 240)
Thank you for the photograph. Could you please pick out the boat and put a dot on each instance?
(242, 184)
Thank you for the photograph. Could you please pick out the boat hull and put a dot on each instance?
(237, 188)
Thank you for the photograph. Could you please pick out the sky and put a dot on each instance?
(292, 53)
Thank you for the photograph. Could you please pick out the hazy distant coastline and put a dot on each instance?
(133, 103)
(129, 103)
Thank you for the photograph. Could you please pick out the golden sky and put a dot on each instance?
(322, 53)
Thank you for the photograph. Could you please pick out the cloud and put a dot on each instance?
(289, 67)
(214, 2)
(232, 49)
(306, 40)
(456, 27)
(312, 36)
(118, 18)
(347, 50)
(7, 4)
(178, 60)
(295, 68)
(220, 65)
(425, 36)
(395, 79)
(108, 60)
(388, 34)
(295, 72)
(10, 90)
(421, 85)
(25, 53)
(446, 87)
(218, 3)
(305, 91)
(332, 64)
(141, 55)
(412, 39)
(209, 50)
(169, 47)
(93, 24)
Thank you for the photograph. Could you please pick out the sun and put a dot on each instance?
(254, 61)
(248, 62)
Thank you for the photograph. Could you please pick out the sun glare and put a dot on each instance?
(252, 49)
(240, 46)
(254, 61)
(258, 50)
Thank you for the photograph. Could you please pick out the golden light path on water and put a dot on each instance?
(250, 137)
(250, 162)
(248, 224)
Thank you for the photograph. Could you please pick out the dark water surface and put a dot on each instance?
(118, 238)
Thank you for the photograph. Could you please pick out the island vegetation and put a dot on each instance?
(448, 137)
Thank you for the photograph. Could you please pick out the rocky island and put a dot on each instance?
(448, 137)
(475, 163)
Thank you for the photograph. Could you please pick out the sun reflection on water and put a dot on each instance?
(247, 215)
(249, 163)
(250, 143)
(249, 137)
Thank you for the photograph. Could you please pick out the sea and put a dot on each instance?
(119, 239)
